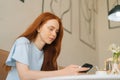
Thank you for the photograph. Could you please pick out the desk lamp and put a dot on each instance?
(114, 13)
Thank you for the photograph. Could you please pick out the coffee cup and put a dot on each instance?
(101, 72)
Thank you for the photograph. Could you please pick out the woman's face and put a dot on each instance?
(48, 32)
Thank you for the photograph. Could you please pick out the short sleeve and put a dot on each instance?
(19, 52)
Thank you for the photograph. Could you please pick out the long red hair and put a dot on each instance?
(51, 51)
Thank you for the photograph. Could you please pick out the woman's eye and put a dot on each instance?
(51, 29)
(57, 32)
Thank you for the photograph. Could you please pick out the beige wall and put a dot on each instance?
(73, 50)
(16, 16)
(106, 36)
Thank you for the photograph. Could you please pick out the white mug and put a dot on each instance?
(101, 72)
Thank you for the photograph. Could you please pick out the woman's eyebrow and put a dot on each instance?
(54, 28)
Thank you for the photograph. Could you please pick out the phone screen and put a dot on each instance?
(88, 66)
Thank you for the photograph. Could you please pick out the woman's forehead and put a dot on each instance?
(53, 22)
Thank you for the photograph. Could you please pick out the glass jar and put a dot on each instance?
(115, 64)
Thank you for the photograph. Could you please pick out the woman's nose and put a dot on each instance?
(54, 33)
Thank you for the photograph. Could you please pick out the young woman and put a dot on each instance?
(34, 53)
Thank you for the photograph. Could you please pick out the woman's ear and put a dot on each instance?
(38, 29)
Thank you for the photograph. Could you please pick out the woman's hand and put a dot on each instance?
(73, 70)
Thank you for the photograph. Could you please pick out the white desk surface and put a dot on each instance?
(85, 77)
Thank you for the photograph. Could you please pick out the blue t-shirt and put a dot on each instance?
(24, 52)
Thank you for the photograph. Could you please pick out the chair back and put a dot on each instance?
(3, 57)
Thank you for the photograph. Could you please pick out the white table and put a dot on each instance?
(85, 77)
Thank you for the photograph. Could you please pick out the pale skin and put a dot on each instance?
(46, 35)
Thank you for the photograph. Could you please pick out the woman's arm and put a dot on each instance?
(26, 74)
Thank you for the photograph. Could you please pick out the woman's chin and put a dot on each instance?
(49, 42)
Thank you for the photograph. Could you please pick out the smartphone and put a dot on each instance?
(88, 66)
